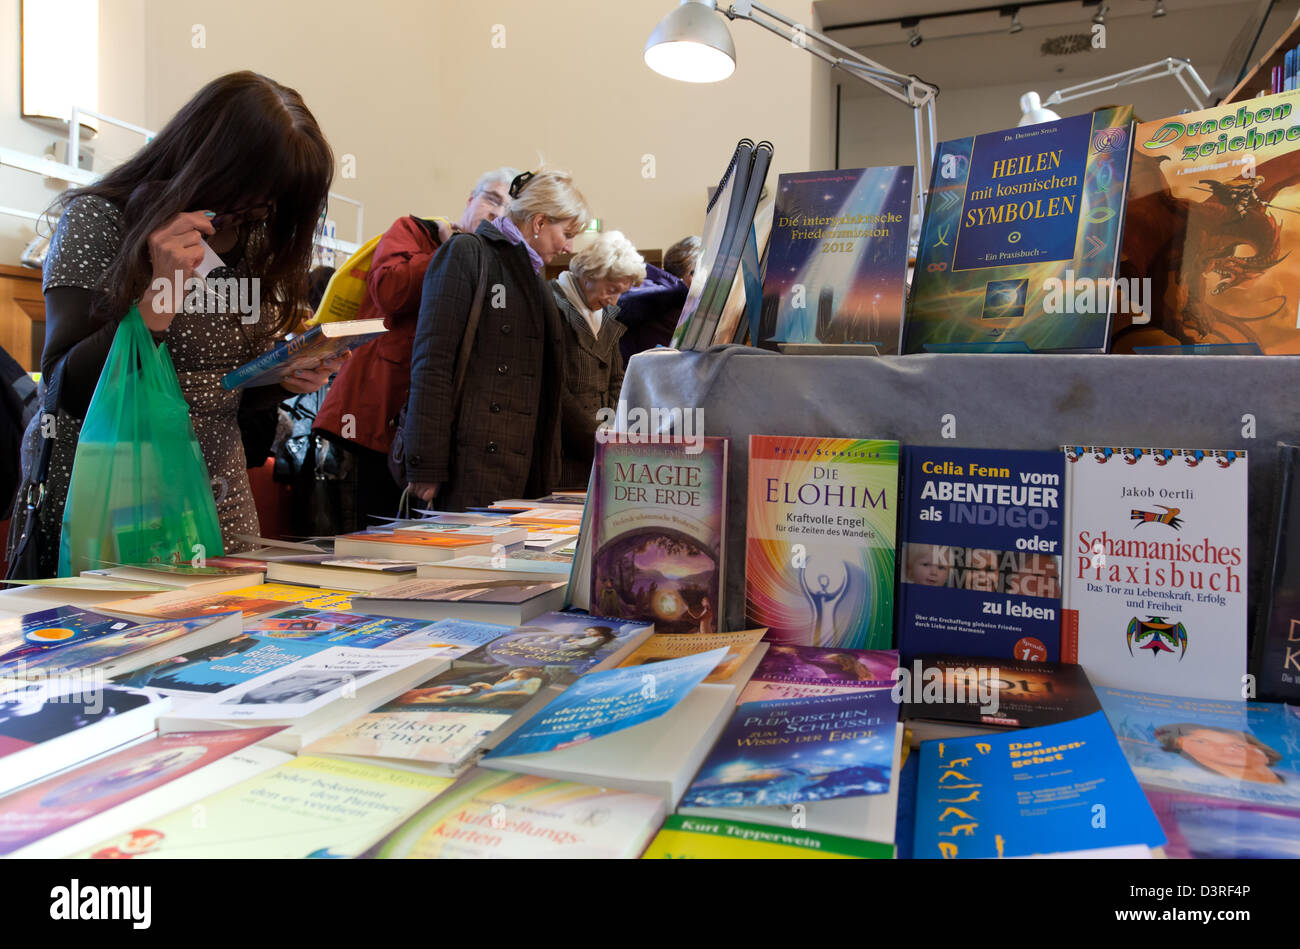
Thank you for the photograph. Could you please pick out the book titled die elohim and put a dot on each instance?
(1156, 600)
(819, 558)
(659, 514)
(981, 554)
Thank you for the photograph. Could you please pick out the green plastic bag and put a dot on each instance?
(140, 491)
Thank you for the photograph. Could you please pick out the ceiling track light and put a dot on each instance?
(1159, 10)
(1014, 13)
(914, 39)
(1099, 18)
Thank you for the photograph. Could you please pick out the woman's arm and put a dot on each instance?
(448, 294)
(76, 348)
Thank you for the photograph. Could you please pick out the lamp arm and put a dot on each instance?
(907, 89)
(1180, 69)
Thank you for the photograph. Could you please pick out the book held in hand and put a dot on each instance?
(307, 350)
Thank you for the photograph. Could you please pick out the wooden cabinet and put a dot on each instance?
(22, 315)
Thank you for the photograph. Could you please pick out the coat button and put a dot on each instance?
(491, 448)
(494, 408)
(505, 328)
(415, 460)
(502, 369)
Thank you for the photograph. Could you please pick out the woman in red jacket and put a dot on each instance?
(361, 408)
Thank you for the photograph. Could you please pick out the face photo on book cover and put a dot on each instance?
(299, 687)
(661, 576)
(1246, 752)
(38, 711)
(984, 570)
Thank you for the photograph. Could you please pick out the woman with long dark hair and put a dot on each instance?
(242, 171)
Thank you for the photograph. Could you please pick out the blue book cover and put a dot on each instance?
(219, 667)
(1046, 790)
(602, 703)
(800, 750)
(1021, 238)
(980, 568)
(450, 636)
(837, 263)
(306, 349)
(330, 628)
(1245, 751)
(23, 638)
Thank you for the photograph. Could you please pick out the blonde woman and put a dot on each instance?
(501, 437)
(587, 295)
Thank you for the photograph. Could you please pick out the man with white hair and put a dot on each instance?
(587, 295)
(359, 413)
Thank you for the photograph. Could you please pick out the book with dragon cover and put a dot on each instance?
(837, 267)
(819, 558)
(1021, 238)
(659, 516)
(1156, 596)
(1212, 231)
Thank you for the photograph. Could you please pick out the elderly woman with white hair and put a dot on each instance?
(587, 295)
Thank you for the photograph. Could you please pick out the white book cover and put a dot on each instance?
(306, 686)
(1156, 541)
(657, 757)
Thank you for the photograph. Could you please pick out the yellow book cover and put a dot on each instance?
(251, 601)
(708, 839)
(663, 646)
(307, 807)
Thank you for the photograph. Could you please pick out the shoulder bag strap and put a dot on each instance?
(471, 325)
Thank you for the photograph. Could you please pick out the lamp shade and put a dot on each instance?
(1033, 112)
(692, 44)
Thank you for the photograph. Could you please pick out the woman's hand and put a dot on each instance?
(175, 249)
(310, 378)
(425, 492)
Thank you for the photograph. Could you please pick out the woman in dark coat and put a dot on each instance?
(503, 440)
(587, 295)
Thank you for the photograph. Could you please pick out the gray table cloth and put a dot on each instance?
(995, 401)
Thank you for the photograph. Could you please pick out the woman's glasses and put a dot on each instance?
(253, 215)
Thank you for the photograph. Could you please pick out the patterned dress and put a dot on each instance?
(204, 346)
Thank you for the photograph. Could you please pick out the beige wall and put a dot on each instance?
(422, 99)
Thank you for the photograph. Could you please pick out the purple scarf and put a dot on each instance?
(511, 232)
